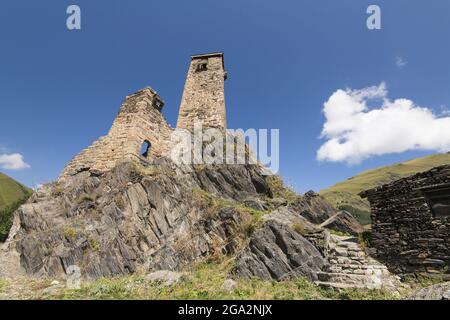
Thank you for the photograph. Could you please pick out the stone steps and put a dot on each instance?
(338, 285)
(350, 267)
(358, 269)
(347, 278)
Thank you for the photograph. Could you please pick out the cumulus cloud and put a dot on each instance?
(364, 123)
(13, 161)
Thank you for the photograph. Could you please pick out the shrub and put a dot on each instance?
(299, 228)
(339, 233)
(6, 217)
(86, 198)
(365, 238)
(69, 233)
(278, 188)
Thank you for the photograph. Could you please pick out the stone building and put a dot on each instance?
(140, 131)
(411, 222)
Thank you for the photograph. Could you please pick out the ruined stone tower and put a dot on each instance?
(203, 98)
(139, 125)
(140, 131)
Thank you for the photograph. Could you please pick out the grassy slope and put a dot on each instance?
(10, 191)
(202, 281)
(345, 194)
(12, 195)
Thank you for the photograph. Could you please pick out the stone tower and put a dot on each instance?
(139, 125)
(203, 98)
(140, 131)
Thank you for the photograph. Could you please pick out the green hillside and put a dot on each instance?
(10, 191)
(344, 195)
(12, 195)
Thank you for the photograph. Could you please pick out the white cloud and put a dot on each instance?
(445, 111)
(354, 131)
(399, 62)
(13, 161)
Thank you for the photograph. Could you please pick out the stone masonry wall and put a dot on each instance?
(203, 97)
(139, 120)
(405, 233)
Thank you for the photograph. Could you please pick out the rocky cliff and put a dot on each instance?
(162, 216)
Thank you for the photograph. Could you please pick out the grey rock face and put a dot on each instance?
(316, 210)
(132, 218)
(345, 222)
(278, 252)
(313, 207)
(160, 216)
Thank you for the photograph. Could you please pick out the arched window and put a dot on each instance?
(145, 148)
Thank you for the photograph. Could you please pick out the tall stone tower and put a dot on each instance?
(203, 98)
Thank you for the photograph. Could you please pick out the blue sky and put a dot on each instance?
(60, 90)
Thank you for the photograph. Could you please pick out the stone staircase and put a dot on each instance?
(350, 267)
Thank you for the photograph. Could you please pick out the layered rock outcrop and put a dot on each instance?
(278, 252)
(134, 216)
(162, 216)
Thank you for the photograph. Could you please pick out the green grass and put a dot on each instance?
(11, 191)
(339, 233)
(202, 281)
(344, 195)
(2, 285)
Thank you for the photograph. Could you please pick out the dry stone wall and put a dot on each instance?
(405, 233)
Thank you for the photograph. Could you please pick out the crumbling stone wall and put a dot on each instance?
(203, 99)
(139, 120)
(405, 233)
